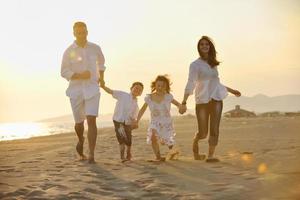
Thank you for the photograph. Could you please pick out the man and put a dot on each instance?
(83, 67)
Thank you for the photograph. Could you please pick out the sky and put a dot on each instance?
(257, 43)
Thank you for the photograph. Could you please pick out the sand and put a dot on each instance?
(260, 159)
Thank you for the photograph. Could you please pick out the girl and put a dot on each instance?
(161, 125)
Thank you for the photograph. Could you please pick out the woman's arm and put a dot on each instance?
(183, 108)
(141, 112)
(234, 92)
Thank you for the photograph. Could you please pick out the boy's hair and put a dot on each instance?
(163, 78)
(137, 83)
(79, 24)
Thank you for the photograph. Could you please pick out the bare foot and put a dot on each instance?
(199, 156)
(173, 154)
(161, 159)
(79, 147)
(82, 157)
(129, 156)
(91, 160)
(212, 160)
(124, 160)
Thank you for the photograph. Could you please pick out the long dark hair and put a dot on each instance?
(163, 78)
(212, 53)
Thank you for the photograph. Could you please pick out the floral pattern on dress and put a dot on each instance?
(161, 122)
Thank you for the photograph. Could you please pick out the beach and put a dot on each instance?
(260, 159)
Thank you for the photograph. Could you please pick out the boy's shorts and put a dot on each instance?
(83, 107)
(123, 133)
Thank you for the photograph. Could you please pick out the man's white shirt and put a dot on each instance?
(77, 60)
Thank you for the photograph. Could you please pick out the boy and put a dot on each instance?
(125, 115)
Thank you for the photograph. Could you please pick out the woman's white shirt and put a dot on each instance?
(205, 81)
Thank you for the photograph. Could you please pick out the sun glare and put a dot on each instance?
(11, 131)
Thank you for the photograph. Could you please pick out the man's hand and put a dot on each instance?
(81, 76)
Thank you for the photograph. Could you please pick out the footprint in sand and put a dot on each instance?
(50, 186)
(28, 162)
(16, 149)
(91, 190)
(21, 191)
(220, 189)
(143, 182)
(40, 158)
(35, 193)
(7, 169)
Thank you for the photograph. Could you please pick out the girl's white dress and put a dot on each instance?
(161, 121)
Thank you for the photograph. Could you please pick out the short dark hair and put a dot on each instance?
(79, 24)
(137, 83)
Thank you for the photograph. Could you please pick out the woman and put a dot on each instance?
(209, 93)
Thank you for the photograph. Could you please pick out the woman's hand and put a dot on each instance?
(182, 109)
(236, 93)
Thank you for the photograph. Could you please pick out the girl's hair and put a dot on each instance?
(163, 78)
(212, 54)
(137, 83)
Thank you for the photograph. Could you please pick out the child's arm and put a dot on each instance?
(106, 89)
(176, 103)
(179, 106)
(141, 112)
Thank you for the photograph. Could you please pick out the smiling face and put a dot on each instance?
(137, 90)
(80, 33)
(204, 46)
(160, 87)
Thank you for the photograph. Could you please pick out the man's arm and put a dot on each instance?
(65, 71)
(100, 63)
(68, 74)
(101, 78)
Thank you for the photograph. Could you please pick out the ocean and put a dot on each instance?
(24, 130)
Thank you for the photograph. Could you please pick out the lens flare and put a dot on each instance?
(72, 54)
(246, 158)
(262, 168)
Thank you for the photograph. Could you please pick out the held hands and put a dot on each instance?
(182, 109)
(134, 124)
